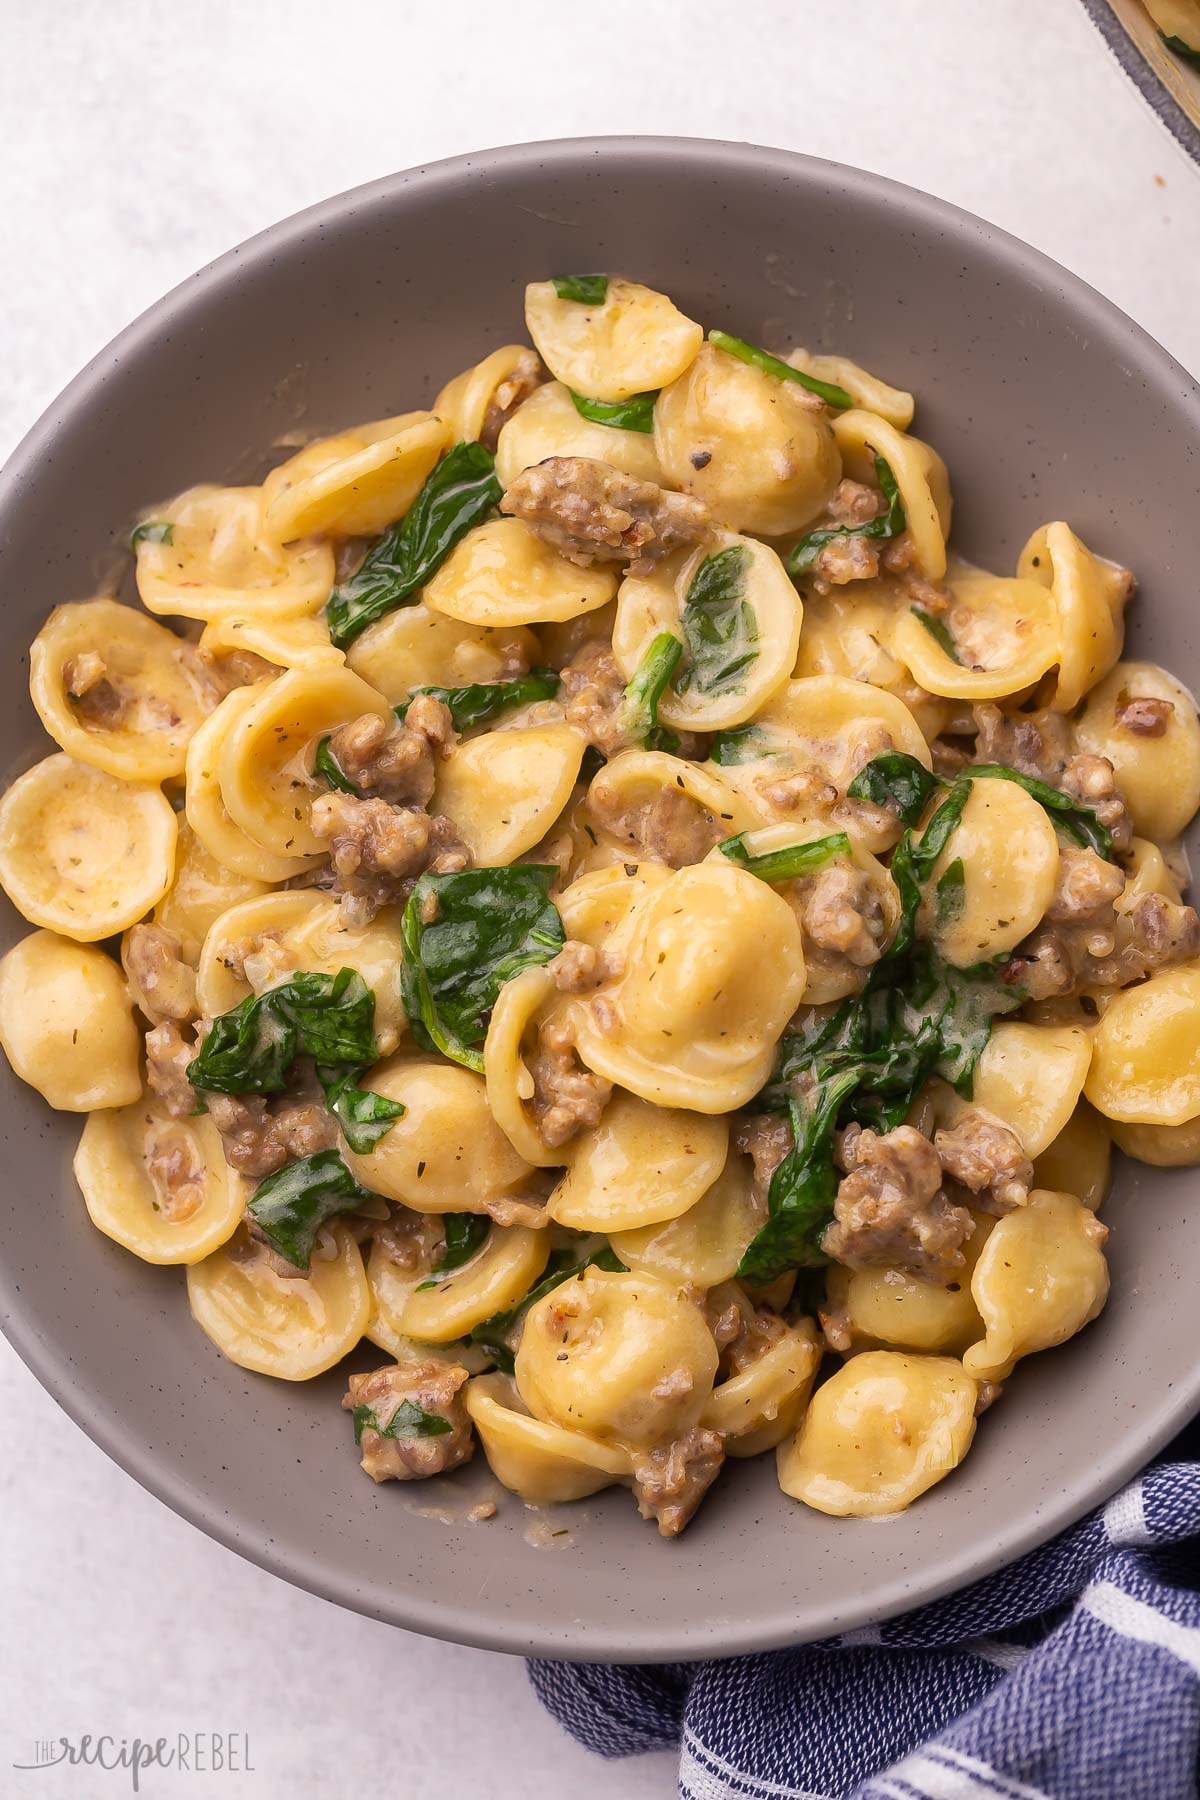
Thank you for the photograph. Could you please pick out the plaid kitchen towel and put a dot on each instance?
(1074, 1674)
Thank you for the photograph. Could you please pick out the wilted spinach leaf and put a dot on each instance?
(481, 701)
(789, 863)
(897, 780)
(1181, 48)
(486, 926)
(939, 631)
(250, 1049)
(829, 391)
(460, 492)
(588, 290)
(720, 629)
(646, 689)
(465, 1234)
(408, 1421)
(634, 414)
(1077, 822)
(291, 1206)
(363, 1116)
(152, 531)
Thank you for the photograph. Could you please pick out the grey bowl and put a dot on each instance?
(1046, 403)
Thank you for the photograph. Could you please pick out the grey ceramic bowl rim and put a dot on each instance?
(1164, 1415)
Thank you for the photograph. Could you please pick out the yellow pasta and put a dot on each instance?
(705, 1243)
(1032, 1076)
(747, 444)
(1005, 632)
(354, 484)
(1040, 1278)
(920, 476)
(502, 575)
(225, 841)
(506, 788)
(636, 339)
(548, 424)
(1089, 596)
(880, 1433)
(201, 891)
(441, 1312)
(1079, 1161)
(1157, 771)
(541, 1462)
(417, 647)
(759, 1406)
(1009, 857)
(279, 1325)
(82, 852)
(159, 1186)
(116, 690)
(1146, 1052)
(66, 1024)
(641, 1165)
(219, 562)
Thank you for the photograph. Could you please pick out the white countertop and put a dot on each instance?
(137, 141)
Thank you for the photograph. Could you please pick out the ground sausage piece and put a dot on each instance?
(1035, 743)
(432, 1386)
(853, 504)
(176, 1170)
(590, 512)
(567, 1098)
(669, 1484)
(891, 1210)
(377, 851)
(1086, 888)
(845, 559)
(168, 1055)
(90, 692)
(258, 1141)
(983, 1154)
(592, 693)
(1143, 715)
(577, 968)
(744, 1332)
(1061, 959)
(394, 762)
(766, 1139)
(1091, 779)
(510, 394)
(673, 828)
(841, 913)
(164, 985)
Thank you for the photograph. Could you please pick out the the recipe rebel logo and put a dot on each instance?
(187, 1753)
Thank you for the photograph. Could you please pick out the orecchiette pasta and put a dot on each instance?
(550, 424)
(1041, 1277)
(620, 1356)
(606, 883)
(541, 1462)
(264, 755)
(116, 690)
(772, 614)
(355, 484)
(750, 446)
(83, 852)
(879, 1433)
(216, 560)
(713, 969)
(631, 341)
(446, 1154)
(66, 1024)
(276, 1324)
(159, 1186)
(1144, 721)
(1145, 1067)
(502, 575)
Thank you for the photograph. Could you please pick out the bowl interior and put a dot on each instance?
(1045, 402)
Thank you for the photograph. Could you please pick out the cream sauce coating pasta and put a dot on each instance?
(66, 1023)
(635, 340)
(1040, 1278)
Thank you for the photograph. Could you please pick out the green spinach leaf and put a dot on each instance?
(588, 290)
(951, 892)
(327, 766)
(789, 863)
(460, 492)
(482, 701)
(250, 1049)
(720, 629)
(465, 1236)
(740, 744)
(634, 414)
(152, 531)
(646, 689)
(897, 780)
(888, 524)
(1182, 48)
(408, 1421)
(802, 1191)
(291, 1206)
(363, 1116)
(829, 391)
(486, 925)
(939, 631)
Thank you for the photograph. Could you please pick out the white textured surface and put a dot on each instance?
(138, 140)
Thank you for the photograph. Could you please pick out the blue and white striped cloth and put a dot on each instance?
(1074, 1674)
